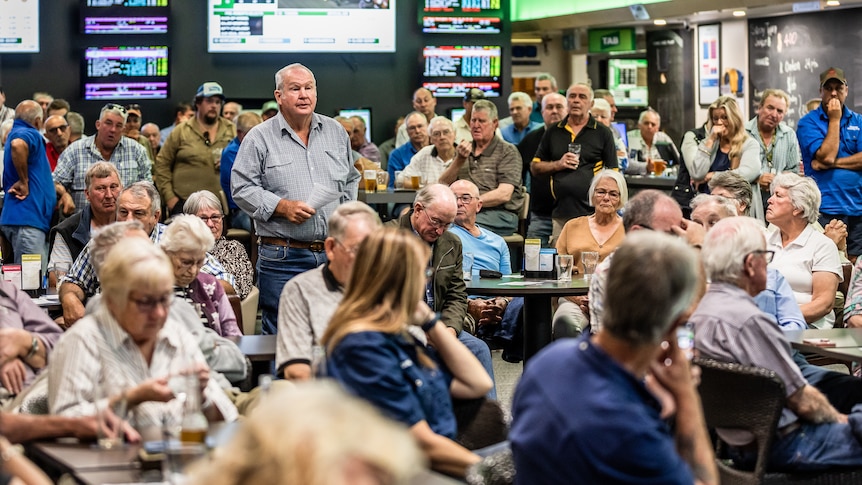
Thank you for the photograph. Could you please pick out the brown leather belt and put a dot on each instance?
(314, 246)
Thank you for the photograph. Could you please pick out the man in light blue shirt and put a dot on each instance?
(290, 174)
(520, 108)
(489, 251)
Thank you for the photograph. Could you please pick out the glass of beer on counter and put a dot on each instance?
(382, 181)
(658, 166)
(370, 177)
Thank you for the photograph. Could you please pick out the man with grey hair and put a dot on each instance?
(779, 148)
(462, 124)
(68, 238)
(543, 85)
(423, 102)
(231, 110)
(648, 143)
(417, 131)
(494, 165)
(433, 211)
(308, 301)
(76, 126)
(107, 145)
(572, 173)
(608, 96)
(812, 434)
(520, 108)
(433, 160)
(611, 376)
(30, 196)
(360, 143)
(291, 172)
(44, 99)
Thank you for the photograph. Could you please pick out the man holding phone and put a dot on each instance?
(608, 377)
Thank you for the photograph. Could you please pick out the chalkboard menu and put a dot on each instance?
(790, 52)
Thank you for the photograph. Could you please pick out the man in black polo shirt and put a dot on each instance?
(572, 175)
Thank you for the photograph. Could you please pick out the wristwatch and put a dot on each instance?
(427, 326)
(34, 347)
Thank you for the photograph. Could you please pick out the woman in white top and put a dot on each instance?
(808, 259)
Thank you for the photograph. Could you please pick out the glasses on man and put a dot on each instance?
(58, 129)
(350, 250)
(114, 106)
(767, 255)
(464, 199)
(436, 223)
(215, 218)
(147, 305)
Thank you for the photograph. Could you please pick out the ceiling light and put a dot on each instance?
(660, 22)
(833, 3)
(739, 13)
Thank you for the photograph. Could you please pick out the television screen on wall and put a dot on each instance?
(124, 16)
(126, 72)
(278, 26)
(451, 70)
(19, 26)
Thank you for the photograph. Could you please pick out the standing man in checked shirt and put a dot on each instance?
(107, 145)
(282, 164)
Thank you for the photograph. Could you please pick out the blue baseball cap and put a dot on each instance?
(210, 89)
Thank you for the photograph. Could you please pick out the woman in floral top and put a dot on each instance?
(231, 254)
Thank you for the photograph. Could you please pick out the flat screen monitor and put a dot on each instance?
(280, 26)
(460, 7)
(449, 71)
(364, 113)
(456, 113)
(19, 26)
(126, 73)
(627, 80)
(621, 129)
(124, 16)
(432, 24)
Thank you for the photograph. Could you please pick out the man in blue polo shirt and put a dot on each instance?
(831, 141)
(30, 196)
(584, 410)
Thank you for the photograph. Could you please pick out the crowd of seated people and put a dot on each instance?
(134, 233)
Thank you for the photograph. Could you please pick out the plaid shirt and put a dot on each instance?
(84, 275)
(274, 164)
(129, 156)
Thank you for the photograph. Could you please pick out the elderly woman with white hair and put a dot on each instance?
(231, 254)
(807, 258)
(129, 344)
(186, 242)
(601, 232)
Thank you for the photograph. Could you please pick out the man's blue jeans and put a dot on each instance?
(276, 265)
(26, 240)
(480, 349)
(541, 228)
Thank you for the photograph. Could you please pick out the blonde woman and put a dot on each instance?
(727, 146)
(314, 434)
(371, 353)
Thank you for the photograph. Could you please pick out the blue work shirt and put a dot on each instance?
(37, 208)
(579, 417)
(398, 159)
(841, 189)
(228, 155)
